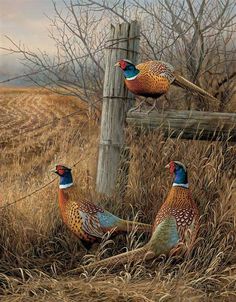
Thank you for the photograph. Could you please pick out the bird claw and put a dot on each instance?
(154, 107)
(136, 108)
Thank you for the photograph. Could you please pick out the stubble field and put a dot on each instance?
(37, 252)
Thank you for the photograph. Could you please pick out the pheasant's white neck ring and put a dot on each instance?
(132, 78)
(66, 180)
(65, 186)
(181, 185)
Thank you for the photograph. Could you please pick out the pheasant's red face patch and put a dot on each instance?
(123, 64)
(172, 167)
(60, 170)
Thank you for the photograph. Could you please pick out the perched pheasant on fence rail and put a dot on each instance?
(85, 219)
(175, 227)
(153, 79)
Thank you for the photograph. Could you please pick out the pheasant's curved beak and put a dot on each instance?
(117, 64)
(167, 166)
(54, 170)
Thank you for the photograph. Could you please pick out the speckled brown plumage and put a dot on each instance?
(180, 205)
(154, 78)
(175, 228)
(71, 214)
(82, 218)
(85, 219)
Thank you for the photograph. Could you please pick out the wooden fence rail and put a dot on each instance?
(199, 125)
(117, 100)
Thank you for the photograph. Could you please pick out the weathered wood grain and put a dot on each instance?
(123, 43)
(199, 125)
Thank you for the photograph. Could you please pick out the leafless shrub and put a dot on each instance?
(196, 37)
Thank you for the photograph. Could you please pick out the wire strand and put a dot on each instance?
(35, 191)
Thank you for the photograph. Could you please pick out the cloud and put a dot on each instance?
(24, 21)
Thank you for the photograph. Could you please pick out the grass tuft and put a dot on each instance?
(37, 252)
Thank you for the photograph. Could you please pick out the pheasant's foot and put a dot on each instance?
(138, 107)
(154, 107)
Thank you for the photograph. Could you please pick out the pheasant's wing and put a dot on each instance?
(97, 221)
(165, 236)
(108, 221)
(91, 225)
(157, 69)
(89, 212)
(170, 236)
(185, 224)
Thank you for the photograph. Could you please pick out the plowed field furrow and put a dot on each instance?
(19, 117)
(34, 132)
(26, 112)
(34, 113)
(29, 122)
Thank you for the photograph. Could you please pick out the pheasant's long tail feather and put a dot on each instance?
(164, 238)
(142, 253)
(128, 226)
(184, 83)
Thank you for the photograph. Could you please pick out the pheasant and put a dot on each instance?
(86, 220)
(153, 79)
(175, 227)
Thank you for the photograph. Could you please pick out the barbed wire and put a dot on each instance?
(37, 190)
(41, 126)
(47, 67)
(30, 131)
(115, 42)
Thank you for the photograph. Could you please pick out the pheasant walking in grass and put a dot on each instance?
(153, 79)
(85, 219)
(175, 227)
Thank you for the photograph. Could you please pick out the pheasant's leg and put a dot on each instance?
(154, 106)
(138, 107)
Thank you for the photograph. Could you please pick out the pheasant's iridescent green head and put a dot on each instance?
(64, 172)
(179, 170)
(129, 69)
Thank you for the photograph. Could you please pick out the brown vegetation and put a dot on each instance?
(37, 252)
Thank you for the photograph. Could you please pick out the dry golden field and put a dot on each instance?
(37, 252)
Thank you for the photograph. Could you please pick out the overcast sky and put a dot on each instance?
(25, 21)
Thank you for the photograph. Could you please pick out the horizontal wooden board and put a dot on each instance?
(188, 124)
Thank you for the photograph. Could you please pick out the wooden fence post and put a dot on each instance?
(123, 43)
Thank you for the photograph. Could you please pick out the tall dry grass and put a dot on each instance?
(37, 251)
